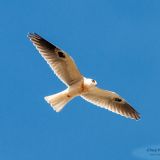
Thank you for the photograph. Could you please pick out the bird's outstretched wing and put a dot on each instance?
(111, 101)
(62, 64)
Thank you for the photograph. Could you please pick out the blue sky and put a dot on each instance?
(117, 43)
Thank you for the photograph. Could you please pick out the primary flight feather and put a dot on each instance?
(77, 85)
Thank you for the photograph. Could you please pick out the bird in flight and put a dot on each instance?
(77, 85)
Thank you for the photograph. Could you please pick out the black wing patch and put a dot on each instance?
(61, 54)
(117, 99)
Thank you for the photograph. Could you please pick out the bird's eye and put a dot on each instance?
(93, 81)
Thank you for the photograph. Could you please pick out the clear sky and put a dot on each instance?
(115, 42)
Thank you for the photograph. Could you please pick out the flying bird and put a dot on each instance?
(77, 85)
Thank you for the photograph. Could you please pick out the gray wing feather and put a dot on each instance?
(111, 101)
(61, 63)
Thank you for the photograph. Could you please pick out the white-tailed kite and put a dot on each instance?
(77, 85)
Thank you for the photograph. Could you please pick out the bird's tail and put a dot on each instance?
(59, 100)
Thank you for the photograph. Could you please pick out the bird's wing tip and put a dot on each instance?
(138, 117)
(32, 35)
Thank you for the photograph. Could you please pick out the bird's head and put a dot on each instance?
(90, 82)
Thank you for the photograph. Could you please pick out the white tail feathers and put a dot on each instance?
(59, 100)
